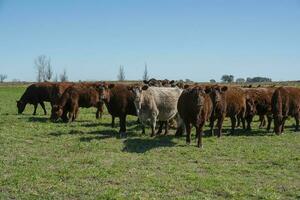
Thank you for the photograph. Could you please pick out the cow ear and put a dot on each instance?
(145, 87)
(145, 81)
(172, 81)
(224, 88)
(111, 86)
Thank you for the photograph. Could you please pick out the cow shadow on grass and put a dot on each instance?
(38, 119)
(142, 145)
(87, 136)
(99, 135)
(252, 132)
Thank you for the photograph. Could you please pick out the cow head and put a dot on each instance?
(137, 91)
(250, 106)
(104, 91)
(217, 92)
(199, 94)
(56, 112)
(21, 106)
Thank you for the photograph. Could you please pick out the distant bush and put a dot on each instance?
(258, 79)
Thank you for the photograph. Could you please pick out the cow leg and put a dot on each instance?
(188, 132)
(297, 117)
(153, 125)
(161, 123)
(43, 106)
(112, 121)
(122, 125)
(249, 121)
(143, 128)
(211, 124)
(220, 125)
(238, 121)
(243, 123)
(64, 116)
(35, 107)
(283, 124)
(269, 117)
(262, 121)
(99, 111)
(233, 123)
(180, 127)
(199, 131)
(166, 127)
(76, 113)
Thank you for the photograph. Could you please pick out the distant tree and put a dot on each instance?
(42, 64)
(227, 78)
(188, 80)
(2, 77)
(48, 71)
(212, 81)
(258, 79)
(240, 80)
(63, 77)
(121, 75)
(146, 76)
(55, 79)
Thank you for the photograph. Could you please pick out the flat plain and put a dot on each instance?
(86, 160)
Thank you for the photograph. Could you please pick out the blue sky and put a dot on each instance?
(194, 39)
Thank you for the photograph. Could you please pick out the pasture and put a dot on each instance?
(85, 160)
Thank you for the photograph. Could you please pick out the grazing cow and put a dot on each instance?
(258, 101)
(59, 89)
(119, 102)
(229, 102)
(155, 103)
(195, 108)
(36, 94)
(285, 102)
(74, 97)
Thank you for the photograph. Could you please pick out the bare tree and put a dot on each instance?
(2, 78)
(55, 79)
(48, 71)
(121, 75)
(146, 76)
(42, 65)
(63, 77)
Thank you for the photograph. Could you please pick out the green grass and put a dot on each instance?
(85, 160)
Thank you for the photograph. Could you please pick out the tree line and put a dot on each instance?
(226, 78)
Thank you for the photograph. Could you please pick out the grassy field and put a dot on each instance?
(85, 160)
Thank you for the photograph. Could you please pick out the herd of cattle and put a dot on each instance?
(163, 102)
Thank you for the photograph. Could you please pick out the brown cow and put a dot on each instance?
(258, 101)
(74, 97)
(229, 102)
(36, 94)
(119, 102)
(59, 89)
(285, 102)
(195, 108)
